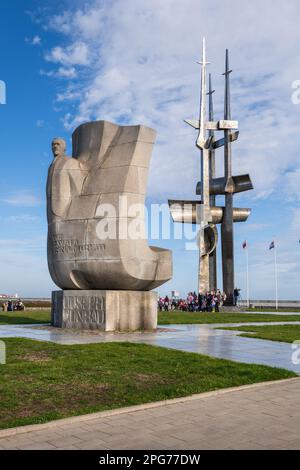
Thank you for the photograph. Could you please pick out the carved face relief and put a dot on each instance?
(58, 147)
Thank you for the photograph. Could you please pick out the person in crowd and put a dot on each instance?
(236, 294)
(160, 304)
(208, 301)
(217, 302)
(200, 298)
(166, 303)
(190, 300)
(18, 306)
(213, 304)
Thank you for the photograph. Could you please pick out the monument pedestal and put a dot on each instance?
(106, 310)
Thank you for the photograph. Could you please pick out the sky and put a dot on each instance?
(135, 62)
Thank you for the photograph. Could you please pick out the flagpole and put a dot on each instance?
(276, 280)
(247, 264)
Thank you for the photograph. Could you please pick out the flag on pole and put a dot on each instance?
(272, 245)
(245, 247)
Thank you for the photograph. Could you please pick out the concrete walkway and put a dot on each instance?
(202, 339)
(263, 416)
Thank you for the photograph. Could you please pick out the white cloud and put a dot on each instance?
(292, 185)
(66, 72)
(75, 54)
(12, 242)
(70, 57)
(35, 41)
(256, 226)
(19, 218)
(61, 22)
(68, 95)
(61, 72)
(22, 198)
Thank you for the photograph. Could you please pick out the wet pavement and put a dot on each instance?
(202, 339)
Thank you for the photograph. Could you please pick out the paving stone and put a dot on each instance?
(65, 441)
(38, 446)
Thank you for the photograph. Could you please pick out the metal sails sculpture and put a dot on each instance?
(204, 211)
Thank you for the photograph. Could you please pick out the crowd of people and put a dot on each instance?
(11, 306)
(208, 302)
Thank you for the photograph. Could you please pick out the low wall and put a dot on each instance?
(271, 303)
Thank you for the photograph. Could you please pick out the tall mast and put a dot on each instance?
(227, 224)
(204, 217)
(211, 133)
(210, 102)
(227, 117)
(212, 198)
(201, 139)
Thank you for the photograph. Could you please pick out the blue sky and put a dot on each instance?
(66, 62)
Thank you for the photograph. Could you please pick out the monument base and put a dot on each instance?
(106, 310)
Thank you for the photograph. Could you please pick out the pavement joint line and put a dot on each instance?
(136, 408)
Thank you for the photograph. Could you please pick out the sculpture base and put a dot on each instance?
(106, 310)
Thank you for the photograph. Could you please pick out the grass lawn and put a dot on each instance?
(45, 381)
(164, 318)
(27, 317)
(177, 317)
(284, 333)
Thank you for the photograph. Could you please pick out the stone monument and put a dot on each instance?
(98, 252)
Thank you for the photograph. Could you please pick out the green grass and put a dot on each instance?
(23, 318)
(164, 318)
(283, 333)
(38, 303)
(44, 381)
(176, 317)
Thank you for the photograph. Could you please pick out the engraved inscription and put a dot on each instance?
(74, 247)
(84, 309)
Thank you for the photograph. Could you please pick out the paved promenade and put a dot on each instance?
(263, 416)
